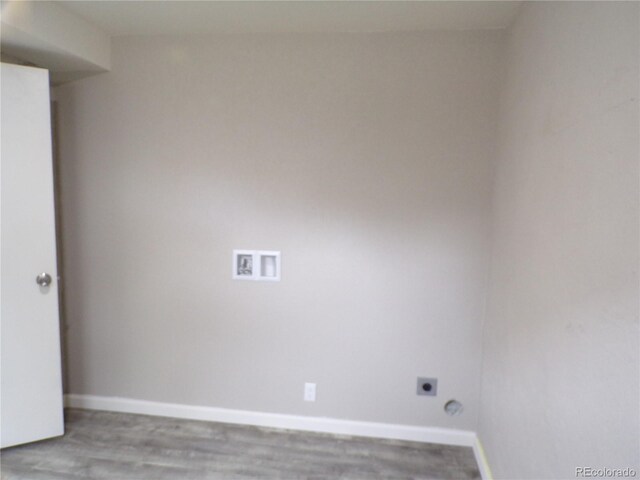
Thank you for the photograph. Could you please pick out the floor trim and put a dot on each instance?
(481, 460)
(294, 422)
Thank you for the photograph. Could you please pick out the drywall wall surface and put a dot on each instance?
(561, 354)
(48, 35)
(363, 158)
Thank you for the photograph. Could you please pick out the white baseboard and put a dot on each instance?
(481, 460)
(275, 420)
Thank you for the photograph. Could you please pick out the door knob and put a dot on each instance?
(44, 279)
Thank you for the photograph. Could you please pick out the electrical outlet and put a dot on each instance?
(427, 386)
(309, 392)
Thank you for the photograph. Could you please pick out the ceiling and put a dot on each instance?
(148, 17)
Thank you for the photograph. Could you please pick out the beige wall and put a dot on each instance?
(561, 353)
(364, 158)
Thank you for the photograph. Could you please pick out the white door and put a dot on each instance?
(30, 373)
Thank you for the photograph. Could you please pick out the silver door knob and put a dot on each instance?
(44, 279)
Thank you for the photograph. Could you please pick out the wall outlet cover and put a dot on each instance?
(427, 386)
(309, 392)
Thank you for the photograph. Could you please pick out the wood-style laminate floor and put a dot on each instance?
(116, 446)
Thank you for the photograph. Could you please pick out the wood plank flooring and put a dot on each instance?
(116, 446)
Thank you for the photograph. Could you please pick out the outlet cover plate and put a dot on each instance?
(309, 392)
(427, 386)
